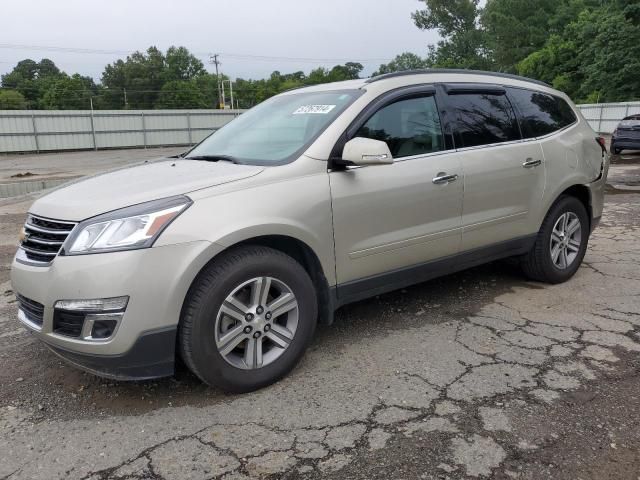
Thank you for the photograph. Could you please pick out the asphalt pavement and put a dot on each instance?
(481, 374)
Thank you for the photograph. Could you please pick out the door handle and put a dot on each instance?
(442, 178)
(530, 163)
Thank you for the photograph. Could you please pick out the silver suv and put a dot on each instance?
(229, 255)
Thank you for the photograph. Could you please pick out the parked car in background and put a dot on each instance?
(626, 136)
(230, 255)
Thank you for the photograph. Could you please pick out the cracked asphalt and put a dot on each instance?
(481, 374)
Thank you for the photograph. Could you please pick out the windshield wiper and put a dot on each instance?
(214, 158)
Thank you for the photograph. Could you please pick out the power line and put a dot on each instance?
(236, 56)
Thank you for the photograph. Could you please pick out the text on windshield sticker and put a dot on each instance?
(317, 109)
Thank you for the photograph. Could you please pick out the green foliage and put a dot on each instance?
(402, 62)
(464, 43)
(597, 55)
(182, 94)
(12, 100)
(516, 29)
(69, 93)
(31, 79)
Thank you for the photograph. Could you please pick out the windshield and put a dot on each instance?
(277, 130)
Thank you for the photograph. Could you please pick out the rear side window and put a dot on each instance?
(540, 113)
(409, 127)
(483, 119)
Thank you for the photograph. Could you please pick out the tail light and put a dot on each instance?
(603, 144)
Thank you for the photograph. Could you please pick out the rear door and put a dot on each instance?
(503, 174)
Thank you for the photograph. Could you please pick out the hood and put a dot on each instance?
(130, 186)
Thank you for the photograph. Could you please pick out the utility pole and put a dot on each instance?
(213, 59)
(126, 104)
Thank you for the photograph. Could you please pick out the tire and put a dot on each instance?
(235, 276)
(539, 264)
(616, 150)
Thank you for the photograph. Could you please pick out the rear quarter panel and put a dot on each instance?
(572, 157)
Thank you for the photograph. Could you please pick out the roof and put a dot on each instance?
(454, 70)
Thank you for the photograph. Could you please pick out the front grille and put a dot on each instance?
(43, 238)
(32, 310)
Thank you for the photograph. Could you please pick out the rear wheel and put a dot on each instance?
(248, 319)
(561, 242)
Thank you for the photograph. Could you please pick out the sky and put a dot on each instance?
(302, 34)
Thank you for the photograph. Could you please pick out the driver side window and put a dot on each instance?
(409, 127)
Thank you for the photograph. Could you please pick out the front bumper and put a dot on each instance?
(156, 280)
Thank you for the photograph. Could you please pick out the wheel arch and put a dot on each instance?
(573, 189)
(582, 193)
(299, 251)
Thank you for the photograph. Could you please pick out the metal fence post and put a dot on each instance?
(144, 129)
(93, 129)
(35, 132)
(189, 127)
(600, 119)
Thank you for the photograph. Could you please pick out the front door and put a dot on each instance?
(388, 218)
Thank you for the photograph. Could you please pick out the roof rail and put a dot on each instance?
(454, 70)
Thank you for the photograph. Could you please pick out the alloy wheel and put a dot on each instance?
(566, 238)
(256, 323)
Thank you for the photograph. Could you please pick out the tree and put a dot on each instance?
(348, 71)
(12, 100)
(69, 93)
(596, 57)
(516, 28)
(404, 61)
(182, 94)
(182, 65)
(463, 43)
(31, 79)
(141, 76)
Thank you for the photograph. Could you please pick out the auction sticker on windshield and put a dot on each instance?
(321, 109)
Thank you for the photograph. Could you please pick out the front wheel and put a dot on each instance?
(560, 244)
(248, 319)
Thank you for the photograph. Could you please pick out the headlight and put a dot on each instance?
(125, 229)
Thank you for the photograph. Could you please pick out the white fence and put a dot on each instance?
(604, 117)
(52, 130)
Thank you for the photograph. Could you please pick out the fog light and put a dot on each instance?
(94, 305)
(92, 320)
(100, 326)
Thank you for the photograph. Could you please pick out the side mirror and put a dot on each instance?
(366, 151)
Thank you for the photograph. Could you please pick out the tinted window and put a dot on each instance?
(409, 127)
(541, 113)
(482, 119)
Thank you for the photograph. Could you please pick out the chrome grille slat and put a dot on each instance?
(50, 231)
(43, 239)
(38, 252)
(45, 242)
